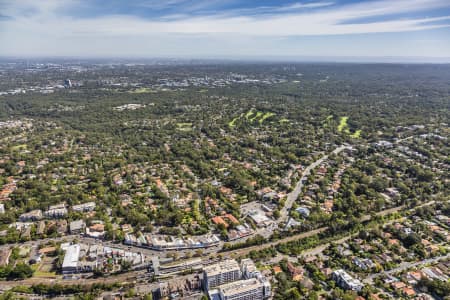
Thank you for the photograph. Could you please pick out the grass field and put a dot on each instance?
(249, 113)
(343, 126)
(253, 115)
(44, 269)
(141, 90)
(356, 134)
(257, 116)
(184, 126)
(266, 116)
(232, 123)
(44, 274)
(19, 147)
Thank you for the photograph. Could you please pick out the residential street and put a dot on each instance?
(292, 196)
(404, 266)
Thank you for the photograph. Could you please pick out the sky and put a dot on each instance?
(253, 29)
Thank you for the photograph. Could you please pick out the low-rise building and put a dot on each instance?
(34, 215)
(77, 227)
(163, 242)
(47, 250)
(259, 218)
(344, 280)
(84, 207)
(40, 228)
(96, 230)
(4, 257)
(303, 211)
(61, 226)
(56, 211)
(70, 262)
(240, 231)
(364, 264)
(296, 272)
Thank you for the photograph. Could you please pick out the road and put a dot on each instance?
(67, 238)
(133, 275)
(292, 196)
(404, 266)
(245, 251)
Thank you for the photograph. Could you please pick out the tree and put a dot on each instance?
(130, 293)
(125, 265)
(412, 239)
(21, 271)
(149, 297)
(276, 214)
(295, 294)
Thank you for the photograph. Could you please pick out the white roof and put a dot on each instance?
(225, 266)
(240, 286)
(72, 256)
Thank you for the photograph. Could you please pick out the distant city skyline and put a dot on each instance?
(334, 30)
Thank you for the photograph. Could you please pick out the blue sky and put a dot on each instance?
(226, 28)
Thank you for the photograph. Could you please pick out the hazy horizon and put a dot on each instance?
(241, 59)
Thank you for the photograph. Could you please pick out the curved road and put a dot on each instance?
(292, 196)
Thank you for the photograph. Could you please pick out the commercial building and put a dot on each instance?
(163, 242)
(223, 272)
(70, 262)
(249, 289)
(345, 281)
(80, 258)
(67, 83)
(229, 281)
(259, 218)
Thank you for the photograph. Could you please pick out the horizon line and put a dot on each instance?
(248, 58)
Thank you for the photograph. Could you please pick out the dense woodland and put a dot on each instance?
(183, 135)
(165, 149)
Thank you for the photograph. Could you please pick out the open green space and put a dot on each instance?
(257, 116)
(232, 123)
(184, 126)
(141, 90)
(356, 134)
(249, 113)
(253, 115)
(343, 124)
(266, 116)
(19, 147)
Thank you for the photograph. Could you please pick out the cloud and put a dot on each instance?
(336, 20)
(38, 24)
(300, 5)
